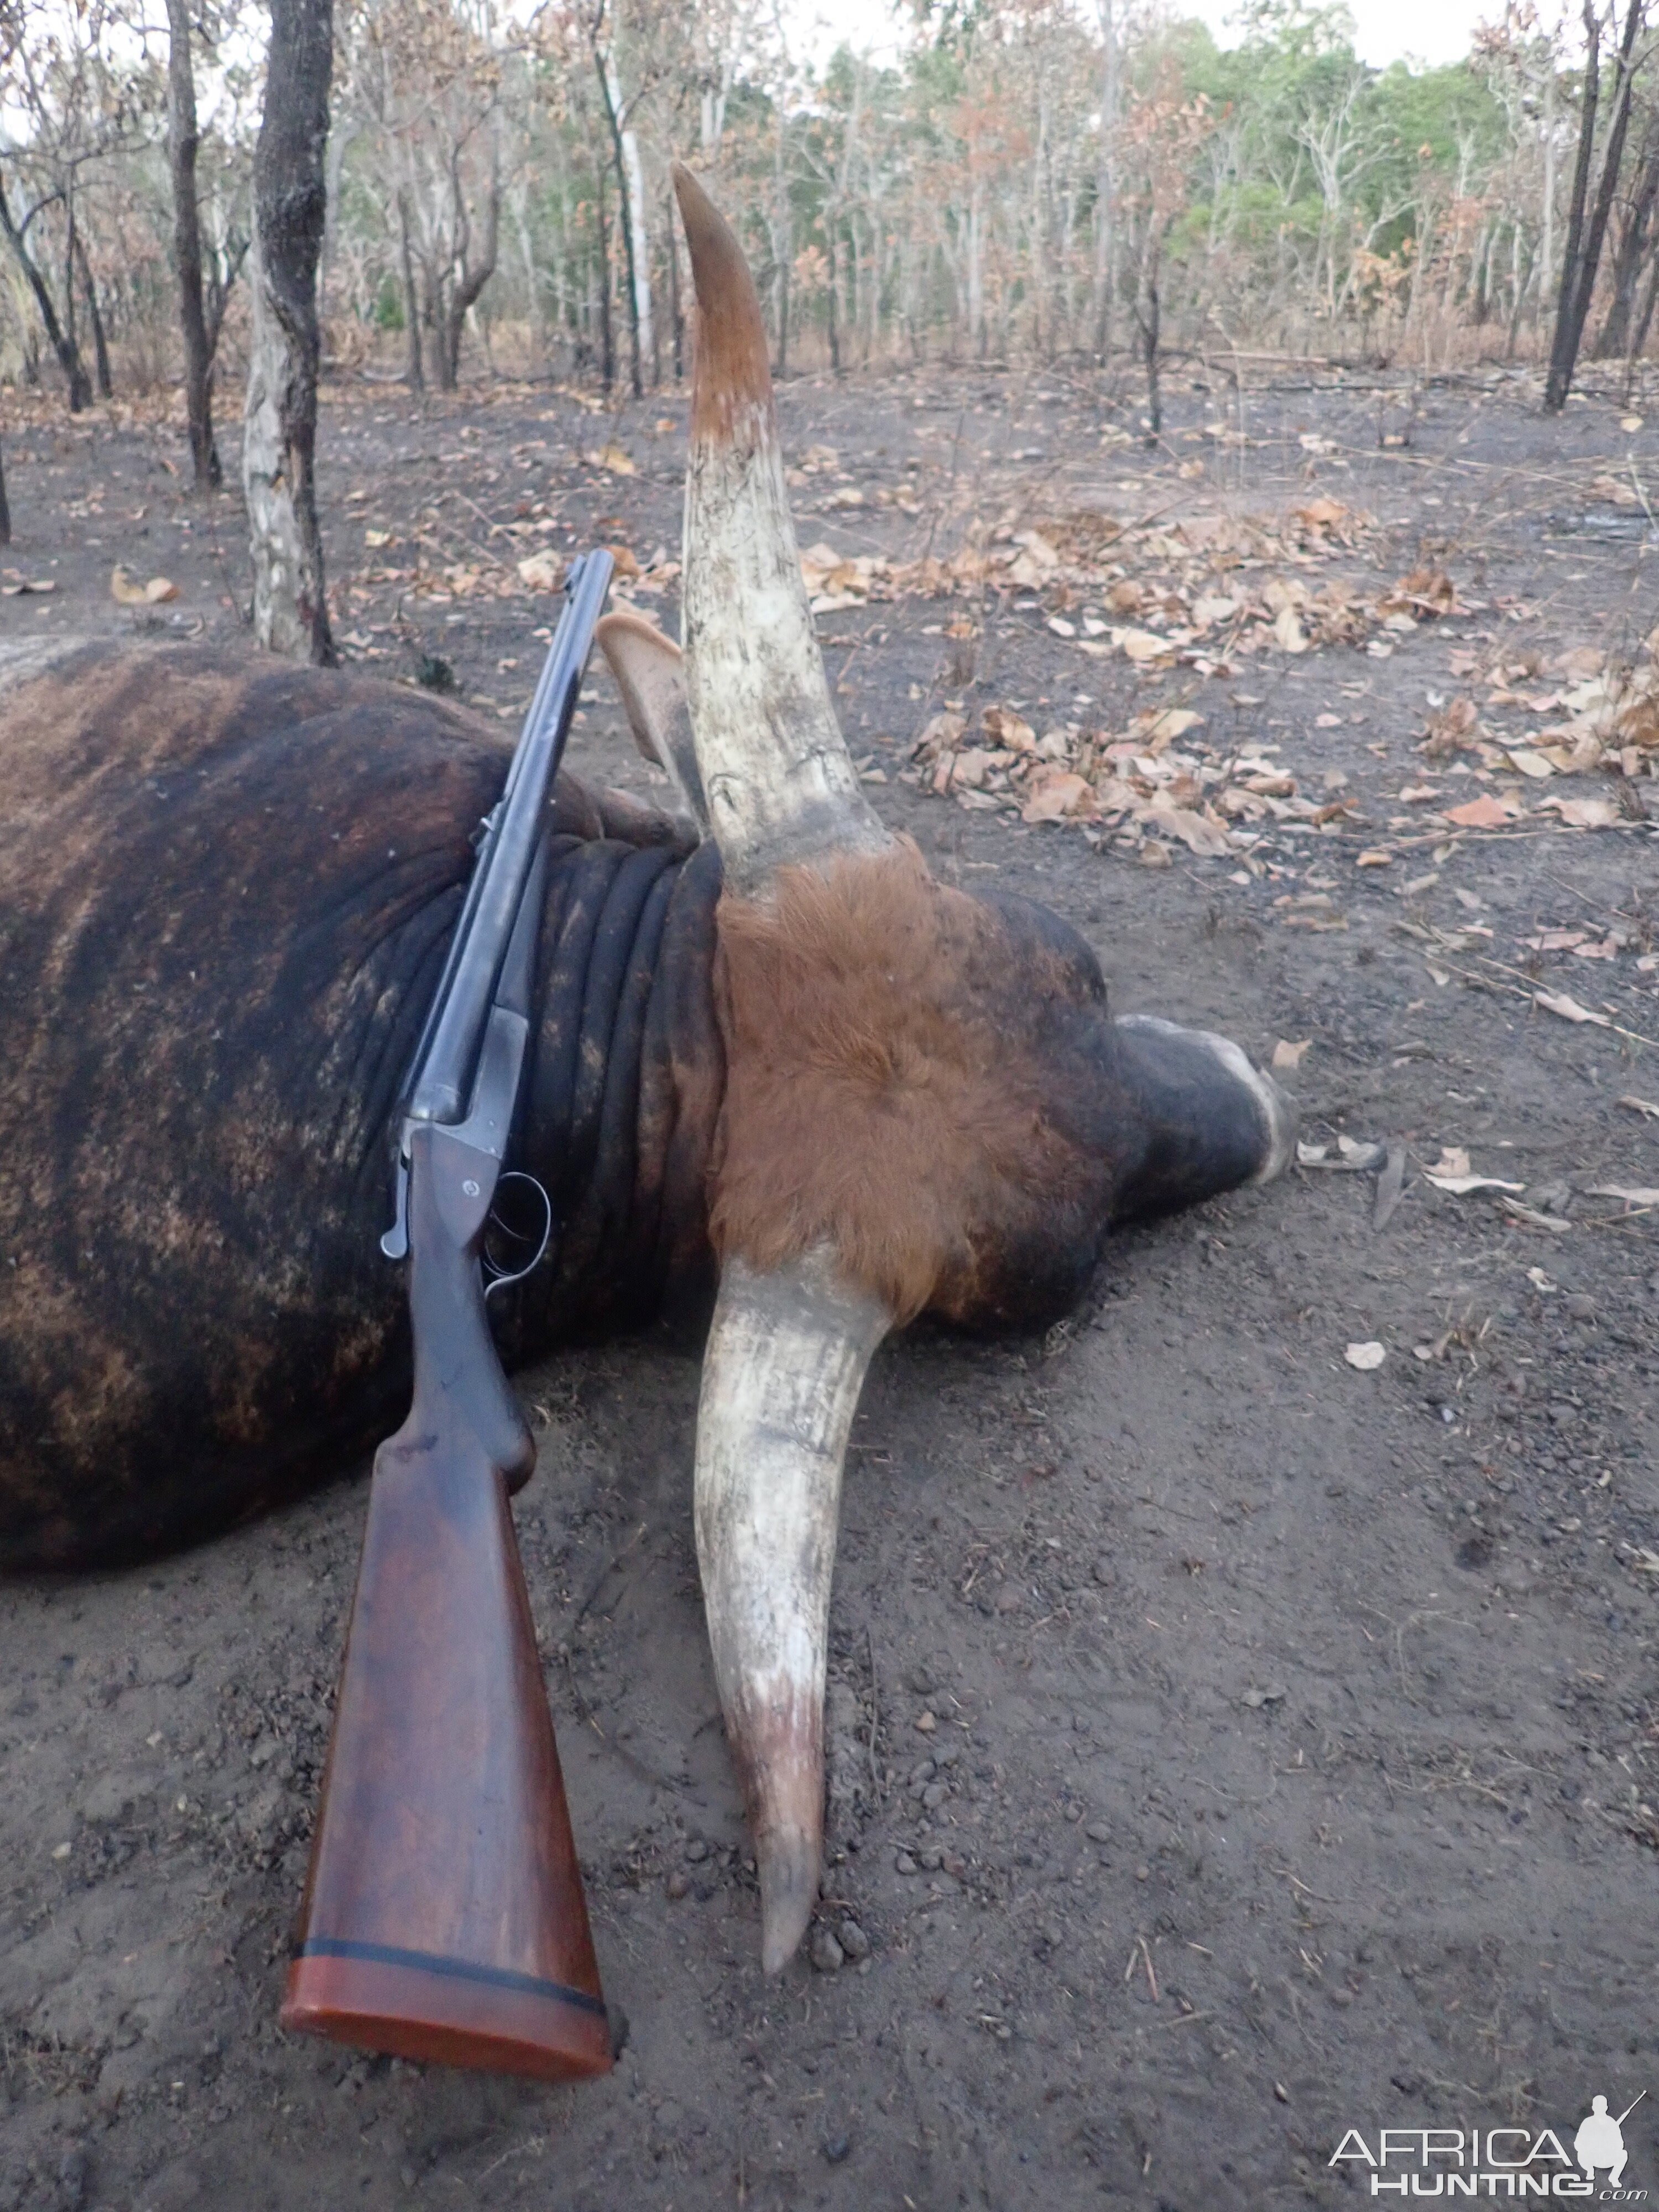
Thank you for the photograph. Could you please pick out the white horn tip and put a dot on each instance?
(790, 1865)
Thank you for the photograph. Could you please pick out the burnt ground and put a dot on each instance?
(1229, 1747)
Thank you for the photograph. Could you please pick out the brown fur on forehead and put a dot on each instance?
(884, 1092)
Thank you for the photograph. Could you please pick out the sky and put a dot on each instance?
(1432, 30)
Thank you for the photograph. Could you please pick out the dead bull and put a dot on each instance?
(771, 1050)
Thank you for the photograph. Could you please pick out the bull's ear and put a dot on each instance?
(651, 677)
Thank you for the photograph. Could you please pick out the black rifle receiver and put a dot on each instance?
(465, 1073)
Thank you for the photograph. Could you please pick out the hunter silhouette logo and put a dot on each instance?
(1600, 2140)
(1506, 2161)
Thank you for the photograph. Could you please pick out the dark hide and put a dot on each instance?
(226, 892)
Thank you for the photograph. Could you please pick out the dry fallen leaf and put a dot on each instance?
(1558, 1002)
(1196, 832)
(1640, 1106)
(1288, 633)
(128, 592)
(1486, 812)
(1530, 1215)
(543, 572)
(1527, 761)
(1450, 1173)
(1632, 1195)
(1366, 1356)
(1452, 727)
(1362, 1153)
(1056, 796)
(377, 538)
(1286, 1054)
(1584, 814)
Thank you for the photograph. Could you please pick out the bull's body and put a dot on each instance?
(225, 896)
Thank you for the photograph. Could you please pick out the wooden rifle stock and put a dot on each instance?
(443, 1916)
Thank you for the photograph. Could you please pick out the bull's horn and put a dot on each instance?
(781, 1379)
(781, 783)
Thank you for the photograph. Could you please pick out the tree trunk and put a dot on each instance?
(62, 341)
(677, 313)
(630, 191)
(99, 339)
(1644, 320)
(1627, 262)
(415, 373)
(183, 141)
(5, 512)
(1583, 249)
(1106, 185)
(1147, 318)
(781, 241)
(835, 279)
(607, 334)
(290, 609)
(472, 281)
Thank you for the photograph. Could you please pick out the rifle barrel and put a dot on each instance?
(447, 1055)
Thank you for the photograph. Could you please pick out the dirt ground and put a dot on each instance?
(1230, 1746)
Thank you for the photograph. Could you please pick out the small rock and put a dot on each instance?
(1561, 1414)
(1274, 1695)
(1103, 1571)
(921, 1681)
(827, 1955)
(1098, 1832)
(836, 2148)
(933, 1858)
(678, 1885)
(1009, 1598)
(935, 1796)
(854, 1940)
(922, 1772)
(1141, 1873)
(697, 1851)
(903, 1863)
(926, 1724)
(1580, 1305)
(620, 2026)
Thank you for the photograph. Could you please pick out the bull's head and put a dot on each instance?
(924, 1105)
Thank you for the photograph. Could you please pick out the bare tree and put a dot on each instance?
(60, 338)
(1635, 242)
(1582, 251)
(290, 610)
(184, 142)
(630, 187)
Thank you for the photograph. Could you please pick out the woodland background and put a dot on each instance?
(1033, 178)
